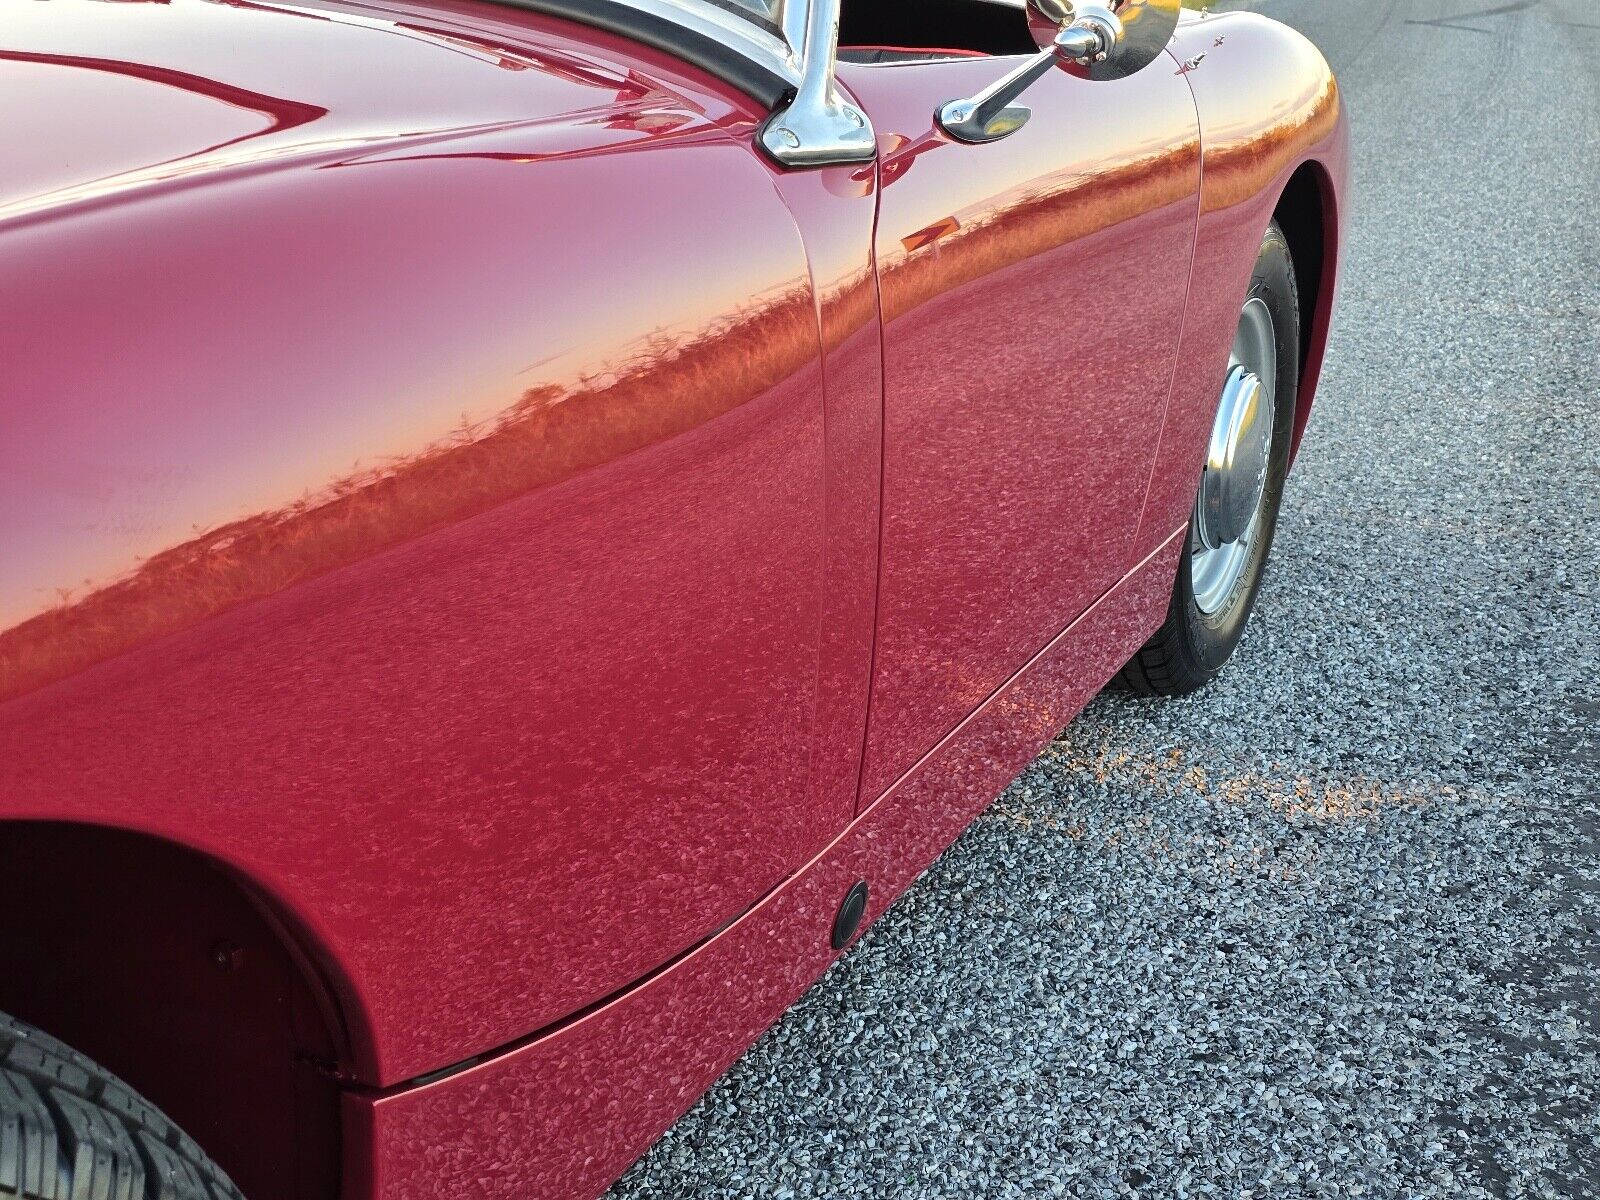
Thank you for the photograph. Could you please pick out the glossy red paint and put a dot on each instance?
(1027, 343)
(1270, 107)
(467, 457)
(836, 210)
(443, 470)
(565, 1115)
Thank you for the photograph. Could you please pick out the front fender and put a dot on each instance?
(1273, 124)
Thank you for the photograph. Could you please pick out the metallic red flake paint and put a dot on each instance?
(543, 554)
(1025, 351)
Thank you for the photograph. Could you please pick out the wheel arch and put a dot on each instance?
(1307, 212)
(178, 973)
(1276, 135)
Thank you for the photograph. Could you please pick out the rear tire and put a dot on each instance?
(71, 1129)
(1196, 640)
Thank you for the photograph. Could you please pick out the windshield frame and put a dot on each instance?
(727, 39)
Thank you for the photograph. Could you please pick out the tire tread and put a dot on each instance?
(71, 1130)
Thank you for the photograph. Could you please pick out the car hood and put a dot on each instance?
(101, 100)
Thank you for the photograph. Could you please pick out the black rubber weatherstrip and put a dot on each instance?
(765, 86)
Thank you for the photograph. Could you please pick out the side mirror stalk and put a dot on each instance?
(1101, 40)
(992, 115)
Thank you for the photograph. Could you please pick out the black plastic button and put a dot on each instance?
(850, 914)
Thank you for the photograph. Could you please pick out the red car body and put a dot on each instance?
(487, 559)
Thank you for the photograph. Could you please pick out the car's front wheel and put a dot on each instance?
(1241, 489)
(71, 1129)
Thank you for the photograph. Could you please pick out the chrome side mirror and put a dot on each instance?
(1145, 29)
(818, 127)
(1093, 39)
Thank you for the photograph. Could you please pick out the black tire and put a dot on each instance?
(1191, 647)
(70, 1130)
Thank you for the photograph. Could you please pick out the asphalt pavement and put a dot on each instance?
(1331, 928)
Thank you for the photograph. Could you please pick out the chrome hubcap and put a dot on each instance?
(1228, 511)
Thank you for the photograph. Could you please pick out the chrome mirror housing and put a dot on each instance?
(1145, 29)
(818, 127)
(1093, 39)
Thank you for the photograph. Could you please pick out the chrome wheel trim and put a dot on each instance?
(1227, 517)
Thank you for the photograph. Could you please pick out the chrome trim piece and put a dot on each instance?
(744, 35)
(751, 10)
(1145, 29)
(819, 127)
(792, 17)
(1236, 464)
(1095, 40)
(740, 49)
(1227, 514)
(992, 115)
(790, 62)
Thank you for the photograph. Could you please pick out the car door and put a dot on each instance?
(1033, 291)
